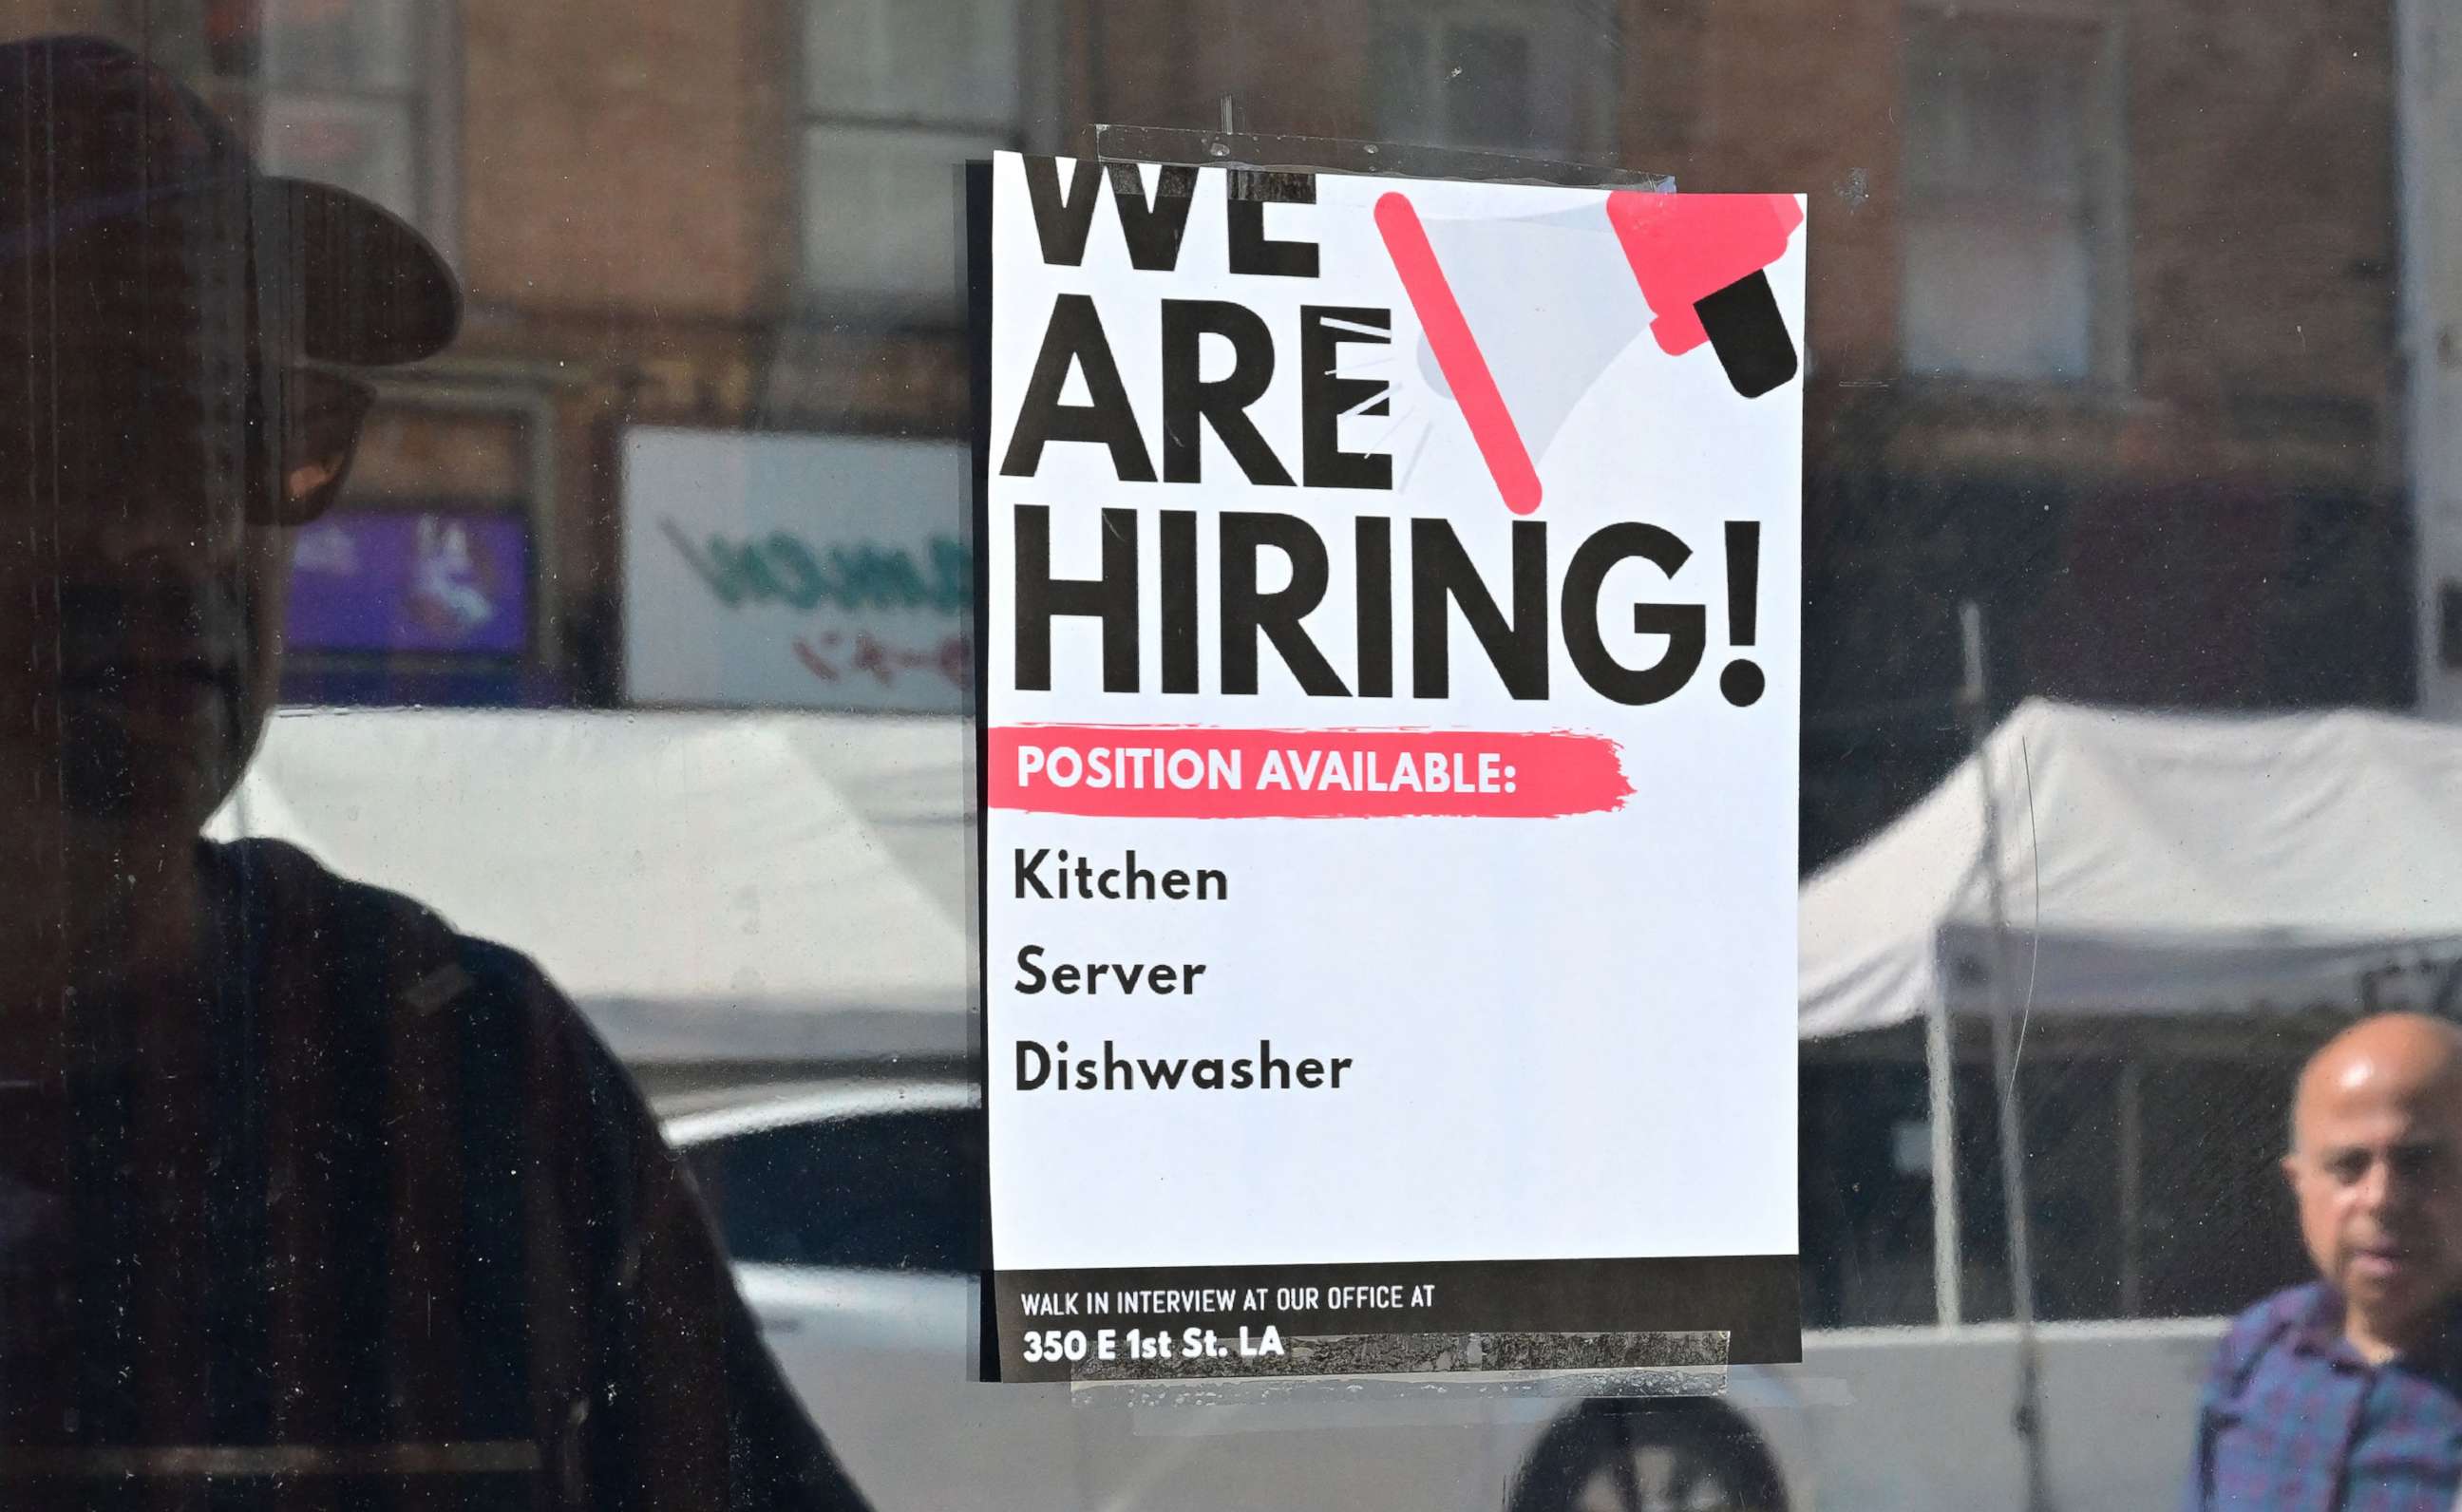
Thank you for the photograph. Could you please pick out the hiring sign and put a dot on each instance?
(1389, 771)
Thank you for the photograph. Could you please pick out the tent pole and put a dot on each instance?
(2132, 1187)
(2029, 1415)
(1947, 1262)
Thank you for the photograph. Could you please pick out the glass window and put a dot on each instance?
(494, 865)
(893, 94)
(2009, 199)
(336, 91)
(1497, 76)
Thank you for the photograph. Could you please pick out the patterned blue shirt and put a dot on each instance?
(2293, 1420)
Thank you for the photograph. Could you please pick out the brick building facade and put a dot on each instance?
(2103, 304)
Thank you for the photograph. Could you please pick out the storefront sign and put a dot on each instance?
(396, 580)
(796, 571)
(1390, 773)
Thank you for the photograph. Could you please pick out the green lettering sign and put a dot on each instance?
(786, 568)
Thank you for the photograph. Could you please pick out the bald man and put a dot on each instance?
(2346, 1393)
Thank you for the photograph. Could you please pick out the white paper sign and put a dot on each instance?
(796, 571)
(1390, 770)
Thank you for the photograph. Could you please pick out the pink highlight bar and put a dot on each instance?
(1457, 354)
(1168, 772)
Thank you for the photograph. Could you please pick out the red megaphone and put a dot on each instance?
(1698, 258)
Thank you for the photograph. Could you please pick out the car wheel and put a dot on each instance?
(1650, 1457)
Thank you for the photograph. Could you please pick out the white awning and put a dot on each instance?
(784, 886)
(2157, 863)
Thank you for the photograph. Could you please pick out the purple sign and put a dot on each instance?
(399, 580)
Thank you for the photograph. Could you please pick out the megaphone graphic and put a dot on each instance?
(1698, 259)
(1685, 275)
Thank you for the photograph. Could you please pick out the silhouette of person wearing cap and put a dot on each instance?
(305, 1198)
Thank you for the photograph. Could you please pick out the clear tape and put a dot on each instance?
(1270, 154)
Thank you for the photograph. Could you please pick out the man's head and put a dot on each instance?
(2376, 1164)
(177, 334)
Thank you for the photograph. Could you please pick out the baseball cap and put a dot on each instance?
(93, 134)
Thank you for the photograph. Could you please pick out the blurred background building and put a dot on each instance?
(2104, 321)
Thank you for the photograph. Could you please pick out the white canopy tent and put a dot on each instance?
(2152, 865)
(2155, 864)
(777, 887)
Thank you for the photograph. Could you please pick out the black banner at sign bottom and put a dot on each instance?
(1368, 1319)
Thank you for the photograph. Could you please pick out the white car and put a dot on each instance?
(853, 1211)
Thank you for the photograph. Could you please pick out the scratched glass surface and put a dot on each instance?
(571, 533)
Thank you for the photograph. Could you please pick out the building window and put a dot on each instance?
(2014, 249)
(345, 92)
(1536, 81)
(896, 94)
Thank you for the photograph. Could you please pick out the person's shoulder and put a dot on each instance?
(2266, 1326)
(397, 934)
(383, 963)
(2285, 1311)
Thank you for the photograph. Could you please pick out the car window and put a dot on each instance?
(874, 1192)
